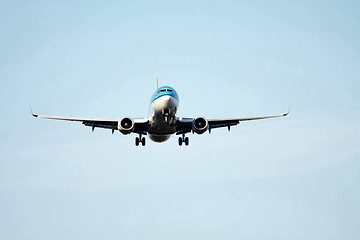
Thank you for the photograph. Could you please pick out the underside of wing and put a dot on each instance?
(184, 125)
(137, 125)
(200, 124)
(224, 122)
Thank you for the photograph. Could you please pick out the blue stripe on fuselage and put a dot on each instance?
(165, 91)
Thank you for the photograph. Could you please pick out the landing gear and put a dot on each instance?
(139, 140)
(183, 139)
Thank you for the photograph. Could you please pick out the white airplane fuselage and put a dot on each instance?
(162, 117)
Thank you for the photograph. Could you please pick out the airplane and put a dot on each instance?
(162, 121)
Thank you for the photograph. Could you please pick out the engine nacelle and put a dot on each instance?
(126, 125)
(200, 125)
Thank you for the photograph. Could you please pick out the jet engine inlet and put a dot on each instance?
(126, 125)
(200, 125)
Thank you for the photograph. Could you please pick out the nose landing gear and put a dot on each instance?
(139, 140)
(183, 139)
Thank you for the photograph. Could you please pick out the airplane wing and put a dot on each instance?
(226, 122)
(140, 124)
(184, 125)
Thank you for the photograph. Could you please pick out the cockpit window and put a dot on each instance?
(165, 90)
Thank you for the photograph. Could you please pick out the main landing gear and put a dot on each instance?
(183, 139)
(139, 140)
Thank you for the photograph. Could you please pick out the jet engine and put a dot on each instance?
(126, 125)
(200, 125)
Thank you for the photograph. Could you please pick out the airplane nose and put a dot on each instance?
(170, 101)
(166, 102)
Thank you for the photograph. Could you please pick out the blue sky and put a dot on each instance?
(295, 177)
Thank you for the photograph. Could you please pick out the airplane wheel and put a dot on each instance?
(143, 141)
(180, 141)
(186, 141)
(137, 141)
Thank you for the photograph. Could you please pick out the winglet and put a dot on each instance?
(285, 114)
(34, 115)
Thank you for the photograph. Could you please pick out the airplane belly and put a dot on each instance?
(159, 138)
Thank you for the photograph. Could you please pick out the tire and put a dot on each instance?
(186, 141)
(143, 141)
